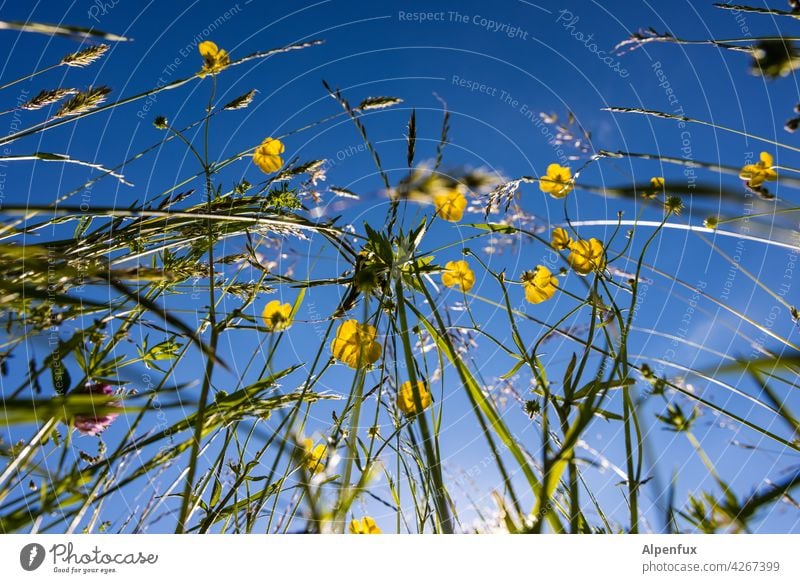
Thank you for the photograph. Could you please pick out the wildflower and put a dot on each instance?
(532, 408)
(762, 171)
(557, 182)
(586, 256)
(560, 240)
(711, 222)
(450, 205)
(405, 398)
(215, 59)
(92, 423)
(314, 456)
(676, 420)
(277, 316)
(540, 284)
(355, 344)
(657, 184)
(268, 155)
(673, 205)
(458, 274)
(774, 58)
(364, 526)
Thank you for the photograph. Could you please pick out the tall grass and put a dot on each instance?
(252, 455)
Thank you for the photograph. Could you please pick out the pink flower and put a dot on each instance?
(91, 423)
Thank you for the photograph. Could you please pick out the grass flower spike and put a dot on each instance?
(277, 316)
(215, 59)
(458, 274)
(405, 398)
(760, 172)
(355, 344)
(586, 256)
(559, 240)
(83, 101)
(85, 57)
(268, 155)
(364, 526)
(540, 284)
(450, 205)
(557, 182)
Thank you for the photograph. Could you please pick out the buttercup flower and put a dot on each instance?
(458, 274)
(405, 398)
(277, 316)
(91, 423)
(314, 456)
(774, 58)
(760, 172)
(355, 344)
(450, 205)
(540, 284)
(586, 256)
(215, 59)
(560, 240)
(657, 184)
(364, 526)
(557, 182)
(268, 155)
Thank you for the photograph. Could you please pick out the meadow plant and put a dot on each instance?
(232, 441)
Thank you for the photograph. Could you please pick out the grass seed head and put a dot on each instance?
(84, 101)
(84, 57)
(47, 97)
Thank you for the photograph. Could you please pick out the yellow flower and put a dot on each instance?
(355, 344)
(458, 274)
(450, 205)
(405, 398)
(560, 240)
(657, 183)
(760, 172)
(539, 284)
(586, 256)
(268, 155)
(215, 59)
(276, 316)
(364, 526)
(557, 182)
(314, 456)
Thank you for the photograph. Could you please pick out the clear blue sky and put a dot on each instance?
(497, 65)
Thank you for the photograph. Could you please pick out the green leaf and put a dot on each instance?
(493, 227)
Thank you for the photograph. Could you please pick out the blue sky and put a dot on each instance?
(497, 66)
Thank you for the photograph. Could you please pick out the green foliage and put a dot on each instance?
(241, 431)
